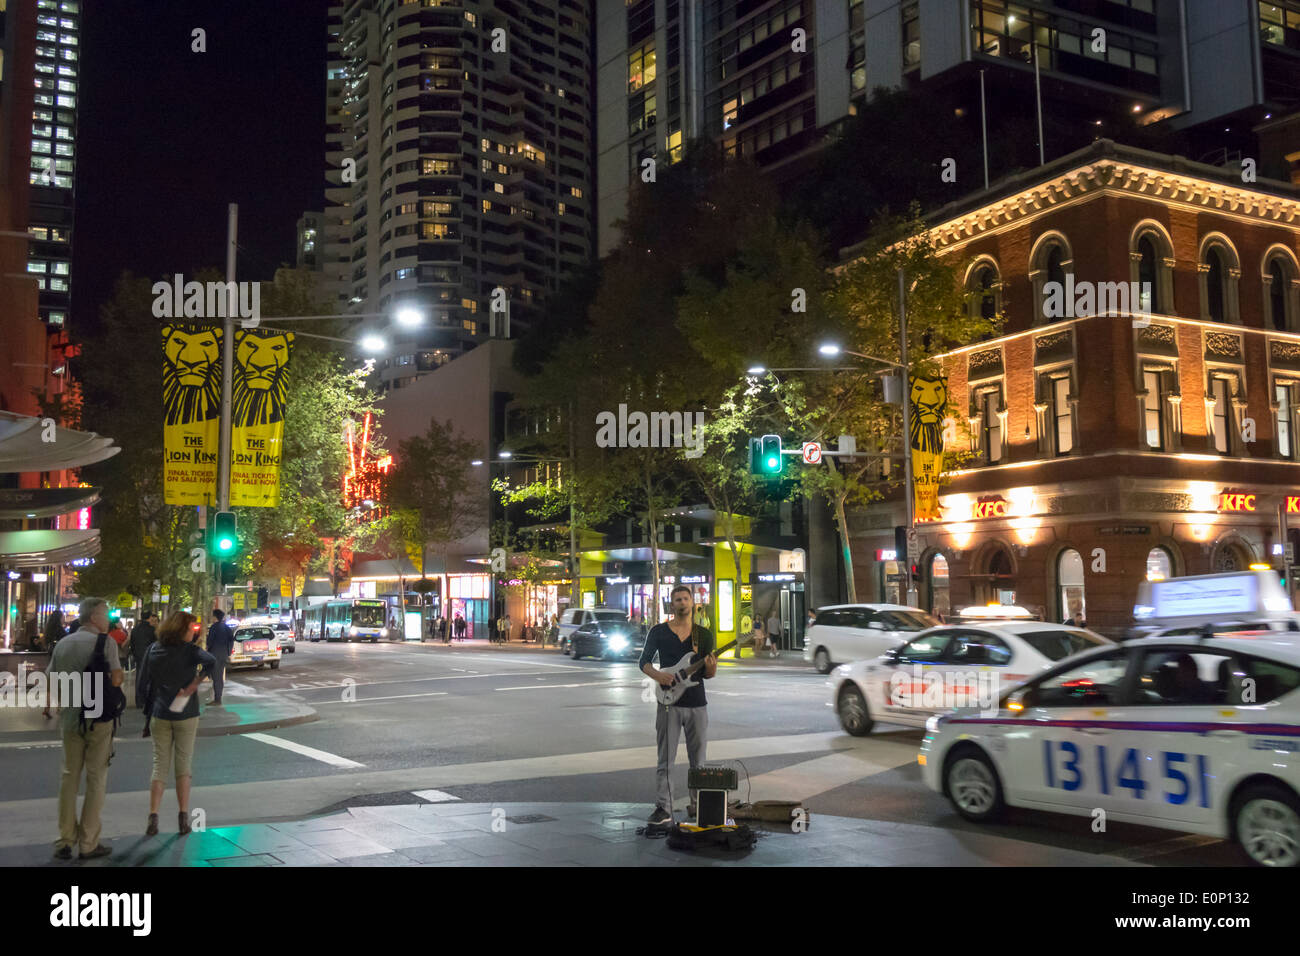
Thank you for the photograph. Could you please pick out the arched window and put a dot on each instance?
(1069, 581)
(1159, 565)
(985, 280)
(1219, 272)
(1049, 262)
(1281, 290)
(1151, 255)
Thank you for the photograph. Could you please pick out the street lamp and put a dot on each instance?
(372, 343)
(833, 349)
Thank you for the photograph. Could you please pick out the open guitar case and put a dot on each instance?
(687, 836)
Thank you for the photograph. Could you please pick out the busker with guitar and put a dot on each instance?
(679, 641)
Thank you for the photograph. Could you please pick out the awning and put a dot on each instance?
(27, 445)
(19, 503)
(37, 549)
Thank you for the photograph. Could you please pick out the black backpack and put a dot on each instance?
(113, 704)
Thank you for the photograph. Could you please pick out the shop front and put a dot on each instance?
(1053, 551)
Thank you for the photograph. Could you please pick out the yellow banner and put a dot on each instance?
(929, 399)
(238, 597)
(258, 399)
(286, 588)
(192, 413)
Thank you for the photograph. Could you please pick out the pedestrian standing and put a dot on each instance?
(142, 635)
(507, 625)
(444, 630)
(54, 630)
(221, 641)
(118, 633)
(460, 628)
(87, 745)
(167, 695)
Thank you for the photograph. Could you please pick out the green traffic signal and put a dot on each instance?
(771, 461)
(225, 538)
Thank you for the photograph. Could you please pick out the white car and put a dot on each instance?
(855, 632)
(949, 667)
(1196, 735)
(255, 646)
(284, 634)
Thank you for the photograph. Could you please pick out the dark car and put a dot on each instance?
(608, 640)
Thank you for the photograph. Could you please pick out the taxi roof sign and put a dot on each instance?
(1210, 598)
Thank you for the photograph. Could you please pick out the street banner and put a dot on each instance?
(191, 380)
(238, 598)
(286, 588)
(929, 398)
(258, 398)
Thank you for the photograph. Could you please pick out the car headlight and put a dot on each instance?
(618, 642)
(932, 724)
(352, 630)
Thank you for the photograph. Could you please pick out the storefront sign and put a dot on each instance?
(695, 578)
(766, 578)
(1126, 529)
(1230, 500)
(617, 580)
(886, 554)
(1293, 504)
(994, 506)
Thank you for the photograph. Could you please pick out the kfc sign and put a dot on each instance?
(1235, 501)
(1293, 504)
(994, 507)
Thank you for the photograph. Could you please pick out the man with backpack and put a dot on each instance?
(90, 660)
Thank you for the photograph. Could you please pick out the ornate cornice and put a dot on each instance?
(1117, 177)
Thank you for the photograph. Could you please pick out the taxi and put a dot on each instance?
(255, 646)
(1195, 734)
(948, 667)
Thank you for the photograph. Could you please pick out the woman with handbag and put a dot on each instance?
(165, 691)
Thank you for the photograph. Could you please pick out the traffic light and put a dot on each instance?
(771, 459)
(225, 538)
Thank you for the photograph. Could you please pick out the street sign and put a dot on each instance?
(913, 546)
(286, 589)
(812, 452)
(238, 599)
(124, 600)
(165, 594)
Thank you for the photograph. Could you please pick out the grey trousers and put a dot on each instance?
(219, 675)
(669, 723)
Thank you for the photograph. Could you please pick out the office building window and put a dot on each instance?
(1284, 417)
(640, 67)
(911, 37)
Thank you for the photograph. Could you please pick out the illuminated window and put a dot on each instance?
(1153, 419)
(640, 67)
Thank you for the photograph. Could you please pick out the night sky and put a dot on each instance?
(167, 137)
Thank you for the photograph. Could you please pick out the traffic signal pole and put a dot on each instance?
(227, 374)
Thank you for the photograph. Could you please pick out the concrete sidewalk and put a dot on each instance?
(546, 834)
(243, 710)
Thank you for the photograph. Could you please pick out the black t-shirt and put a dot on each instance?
(662, 641)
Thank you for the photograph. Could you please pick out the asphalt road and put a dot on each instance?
(537, 726)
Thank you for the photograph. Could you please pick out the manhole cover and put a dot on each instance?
(532, 818)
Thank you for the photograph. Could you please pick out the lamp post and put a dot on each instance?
(902, 366)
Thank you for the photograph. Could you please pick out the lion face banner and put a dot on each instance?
(259, 394)
(929, 397)
(192, 408)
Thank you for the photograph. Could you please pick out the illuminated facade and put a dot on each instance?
(363, 483)
(1156, 437)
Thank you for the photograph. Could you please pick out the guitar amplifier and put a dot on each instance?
(713, 778)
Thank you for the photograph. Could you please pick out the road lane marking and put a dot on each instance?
(366, 700)
(599, 683)
(333, 760)
(434, 796)
(317, 685)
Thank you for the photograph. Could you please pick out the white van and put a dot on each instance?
(844, 633)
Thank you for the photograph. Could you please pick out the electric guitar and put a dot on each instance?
(682, 672)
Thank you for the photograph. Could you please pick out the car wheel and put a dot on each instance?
(275, 665)
(260, 666)
(855, 717)
(576, 655)
(971, 783)
(1266, 825)
(822, 661)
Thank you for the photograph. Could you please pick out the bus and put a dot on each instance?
(346, 621)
